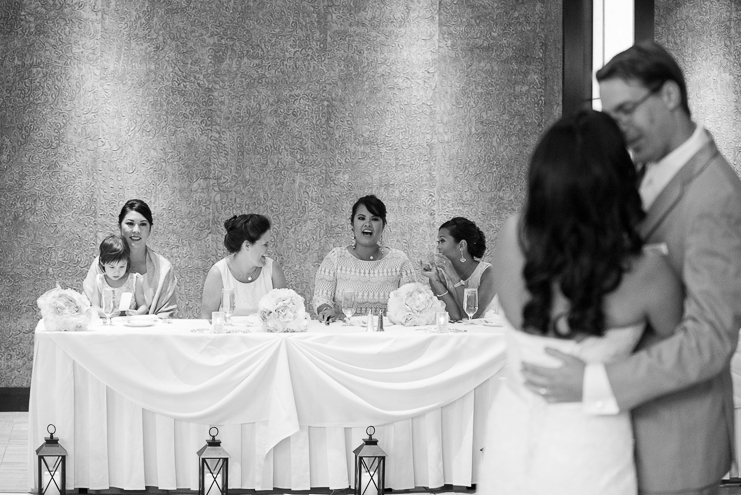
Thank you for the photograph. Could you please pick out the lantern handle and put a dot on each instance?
(51, 429)
(213, 435)
(370, 431)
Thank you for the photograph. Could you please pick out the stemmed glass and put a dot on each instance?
(108, 307)
(348, 305)
(470, 302)
(227, 304)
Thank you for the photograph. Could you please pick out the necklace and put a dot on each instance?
(371, 257)
(249, 274)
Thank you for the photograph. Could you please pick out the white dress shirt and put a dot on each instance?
(598, 397)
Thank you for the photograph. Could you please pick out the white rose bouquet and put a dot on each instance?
(282, 310)
(413, 304)
(65, 310)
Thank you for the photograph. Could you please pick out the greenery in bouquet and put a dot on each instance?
(413, 304)
(65, 310)
(282, 310)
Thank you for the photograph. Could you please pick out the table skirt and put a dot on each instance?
(117, 443)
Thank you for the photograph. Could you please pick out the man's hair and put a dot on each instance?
(649, 63)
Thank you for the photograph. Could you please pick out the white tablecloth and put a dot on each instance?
(133, 405)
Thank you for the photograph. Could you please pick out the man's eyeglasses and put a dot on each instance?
(626, 110)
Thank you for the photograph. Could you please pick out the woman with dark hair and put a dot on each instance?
(135, 225)
(246, 270)
(573, 275)
(371, 270)
(461, 244)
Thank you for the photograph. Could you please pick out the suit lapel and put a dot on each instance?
(672, 193)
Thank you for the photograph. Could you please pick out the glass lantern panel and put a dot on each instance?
(51, 475)
(213, 479)
(370, 477)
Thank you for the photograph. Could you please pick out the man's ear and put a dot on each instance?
(671, 95)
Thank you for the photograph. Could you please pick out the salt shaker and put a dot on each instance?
(369, 322)
(379, 327)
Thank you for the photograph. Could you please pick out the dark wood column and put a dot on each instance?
(577, 55)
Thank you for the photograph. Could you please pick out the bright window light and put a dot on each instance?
(612, 32)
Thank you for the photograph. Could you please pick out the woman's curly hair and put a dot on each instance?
(579, 230)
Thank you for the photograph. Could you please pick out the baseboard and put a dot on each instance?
(14, 398)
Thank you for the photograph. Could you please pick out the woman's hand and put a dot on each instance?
(431, 272)
(327, 314)
(443, 264)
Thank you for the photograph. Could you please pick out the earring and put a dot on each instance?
(354, 240)
(463, 259)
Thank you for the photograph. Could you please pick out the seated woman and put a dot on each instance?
(461, 244)
(159, 286)
(366, 267)
(246, 270)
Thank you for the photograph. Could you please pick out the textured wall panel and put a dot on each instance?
(290, 108)
(704, 36)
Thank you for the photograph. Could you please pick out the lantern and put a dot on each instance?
(52, 470)
(213, 467)
(370, 466)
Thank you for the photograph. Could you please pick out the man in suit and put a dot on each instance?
(678, 387)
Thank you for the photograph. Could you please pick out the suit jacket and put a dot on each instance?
(679, 386)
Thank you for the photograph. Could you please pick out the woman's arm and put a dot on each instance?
(141, 302)
(439, 288)
(211, 298)
(325, 284)
(486, 291)
(89, 286)
(278, 278)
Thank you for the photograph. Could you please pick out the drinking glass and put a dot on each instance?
(108, 306)
(470, 302)
(348, 305)
(227, 304)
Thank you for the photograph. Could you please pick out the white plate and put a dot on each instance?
(490, 322)
(360, 321)
(136, 320)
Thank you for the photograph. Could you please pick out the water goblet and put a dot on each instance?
(108, 296)
(348, 305)
(227, 304)
(470, 302)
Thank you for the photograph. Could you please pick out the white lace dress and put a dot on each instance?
(533, 447)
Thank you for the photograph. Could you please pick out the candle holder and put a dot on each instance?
(370, 466)
(52, 469)
(213, 467)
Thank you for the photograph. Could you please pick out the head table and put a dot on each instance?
(132, 406)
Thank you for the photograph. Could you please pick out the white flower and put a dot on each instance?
(282, 310)
(64, 310)
(413, 304)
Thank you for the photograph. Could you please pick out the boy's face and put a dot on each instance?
(115, 270)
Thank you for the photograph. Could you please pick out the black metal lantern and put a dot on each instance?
(52, 465)
(213, 467)
(370, 466)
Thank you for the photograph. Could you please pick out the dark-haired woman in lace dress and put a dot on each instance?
(246, 270)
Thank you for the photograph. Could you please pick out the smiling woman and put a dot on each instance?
(159, 281)
(365, 267)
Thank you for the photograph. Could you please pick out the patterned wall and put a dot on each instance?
(291, 108)
(704, 35)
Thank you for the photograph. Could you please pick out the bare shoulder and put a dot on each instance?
(651, 276)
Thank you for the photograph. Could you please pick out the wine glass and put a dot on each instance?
(227, 304)
(348, 305)
(470, 302)
(108, 306)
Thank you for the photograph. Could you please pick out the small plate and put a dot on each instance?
(246, 321)
(137, 320)
(490, 322)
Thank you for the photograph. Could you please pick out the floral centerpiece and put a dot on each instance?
(65, 310)
(413, 304)
(282, 310)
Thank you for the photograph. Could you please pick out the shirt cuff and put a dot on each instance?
(598, 397)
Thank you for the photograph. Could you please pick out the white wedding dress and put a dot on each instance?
(533, 447)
